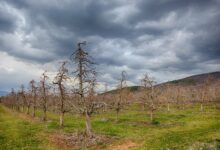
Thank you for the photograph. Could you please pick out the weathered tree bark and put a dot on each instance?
(88, 125)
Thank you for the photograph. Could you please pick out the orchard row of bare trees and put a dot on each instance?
(80, 97)
(75, 93)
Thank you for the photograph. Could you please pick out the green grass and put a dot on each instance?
(177, 129)
(17, 134)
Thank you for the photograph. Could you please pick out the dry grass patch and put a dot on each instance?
(79, 140)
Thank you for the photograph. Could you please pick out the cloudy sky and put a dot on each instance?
(169, 39)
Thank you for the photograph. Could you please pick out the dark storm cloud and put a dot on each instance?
(135, 36)
(207, 45)
(6, 23)
(7, 19)
(83, 18)
(156, 9)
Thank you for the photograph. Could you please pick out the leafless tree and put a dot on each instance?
(22, 97)
(59, 81)
(150, 94)
(168, 95)
(10, 100)
(54, 98)
(204, 92)
(85, 69)
(33, 96)
(105, 97)
(122, 93)
(179, 96)
(14, 99)
(91, 96)
(44, 89)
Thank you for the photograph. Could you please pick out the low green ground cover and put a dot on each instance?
(177, 129)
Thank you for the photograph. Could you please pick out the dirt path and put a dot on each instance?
(127, 145)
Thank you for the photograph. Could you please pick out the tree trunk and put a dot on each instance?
(201, 107)
(62, 105)
(62, 119)
(45, 115)
(88, 125)
(151, 116)
(28, 110)
(34, 110)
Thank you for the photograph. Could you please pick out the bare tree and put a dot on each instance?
(17, 101)
(59, 79)
(84, 71)
(120, 100)
(204, 92)
(180, 96)
(54, 98)
(23, 97)
(28, 101)
(44, 90)
(10, 100)
(14, 99)
(150, 94)
(91, 96)
(168, 95)
(105, 97)
(33, 96)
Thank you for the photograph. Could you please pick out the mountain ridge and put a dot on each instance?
(186, 81)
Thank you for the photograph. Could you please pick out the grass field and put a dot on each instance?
(177, 129)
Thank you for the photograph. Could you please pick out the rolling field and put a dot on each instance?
(177, 129)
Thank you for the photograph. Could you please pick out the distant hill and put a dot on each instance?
(130, 88)
(188, 81)
(3, 93)
(197, 79)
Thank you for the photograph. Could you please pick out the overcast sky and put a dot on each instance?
(169, 39)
